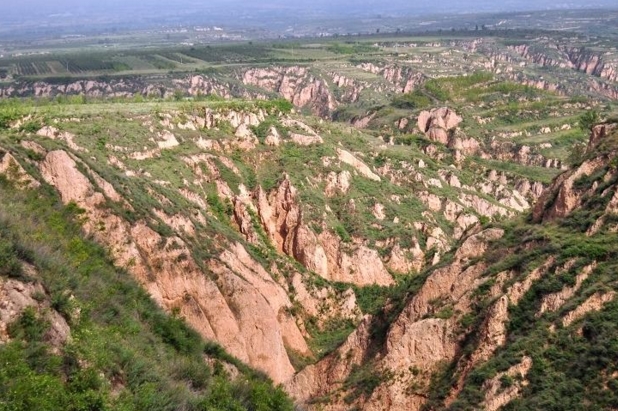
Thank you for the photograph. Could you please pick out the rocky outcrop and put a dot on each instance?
(295, 84)
(565, 56)
(594, 303)
(329, 374)
(307, 137)
(260, 307)
(493, 331)
(483, 206)
(497, 396)
(349, 89)
(404, 79)
(427, 343)
(598, 133)
(273, 138)
(538, 83)
(363, 121)
(362, 168)
(54, 133)
(167, 140)
(147, 86)
(601, 222)
(404, 261)
(200, 85)
(281, 216)
(16, 296)
(418, 341)
(562, 197)
(241, 121)
(436, 123)
(554, 301)
(424, 336)
(304, 140)
(14, 172)
(542, 57)
(337, 183)
(463, 144)
(323, 303)
(243, 220)
(522, 154)
(609, 90)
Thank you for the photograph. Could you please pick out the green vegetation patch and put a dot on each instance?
(351, 48)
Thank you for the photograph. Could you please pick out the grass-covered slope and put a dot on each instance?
(566, 321)
(122, 351)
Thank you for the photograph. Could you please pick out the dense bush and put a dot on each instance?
(588, 120)
(9, 261)
(413, 100)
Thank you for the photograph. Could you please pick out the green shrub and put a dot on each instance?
(437, 90)
(588, 249)
(588, 120)
(371, 298)
(332, 335)
(261, 130)
(9, 262)
(31, 126)
(29, 326)
(410, 101)
(343, 233)
(362, 381)
(175, 332)
(21, 389)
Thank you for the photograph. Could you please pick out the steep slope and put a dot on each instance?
(519, 317)
(76, 332)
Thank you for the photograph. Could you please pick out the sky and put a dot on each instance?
(79, 14)
(443, 6)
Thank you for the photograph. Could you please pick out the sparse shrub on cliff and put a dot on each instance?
(330, 336)
(362, 381)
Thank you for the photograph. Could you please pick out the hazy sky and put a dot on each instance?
(443, 6)
(37, 15)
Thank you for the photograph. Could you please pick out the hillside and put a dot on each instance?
(401, 226)
(521, 316)
(178, 217)
(77, 332)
